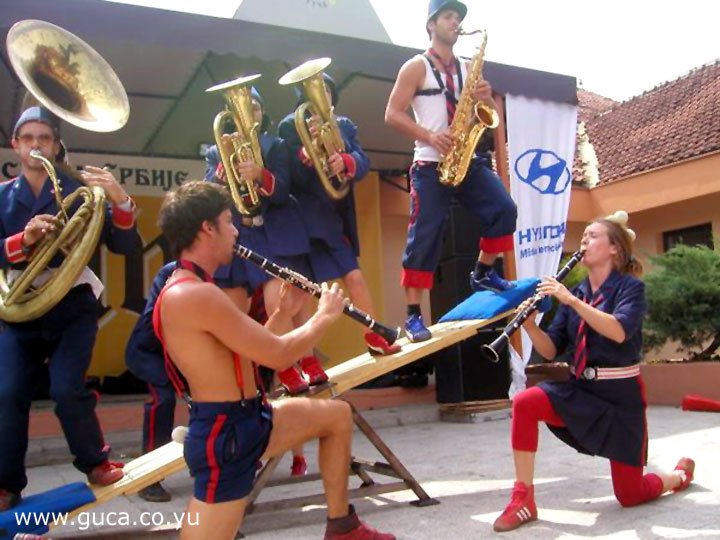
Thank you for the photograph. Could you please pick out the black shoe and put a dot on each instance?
(155, 493)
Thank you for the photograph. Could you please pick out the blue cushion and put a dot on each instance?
(488, 304)
(42, 506)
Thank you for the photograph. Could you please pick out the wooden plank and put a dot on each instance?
(366, 367)
(140, 473)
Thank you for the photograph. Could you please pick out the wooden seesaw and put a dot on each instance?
(168, 459)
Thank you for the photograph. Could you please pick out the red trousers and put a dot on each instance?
(532, 406)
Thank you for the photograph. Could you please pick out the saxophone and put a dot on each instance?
(470, 122)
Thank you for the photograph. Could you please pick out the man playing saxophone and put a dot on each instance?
(433, 83)
(65, 335)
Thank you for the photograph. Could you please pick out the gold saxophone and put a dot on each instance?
(470, 122)
(328, 139)
(241, 146)
(73, 81)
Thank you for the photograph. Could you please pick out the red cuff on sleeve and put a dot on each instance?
(123, 219)
(350, 165)
(268, 186)
(417, 279)
(304, 157)
(220, 172)
(13, 248)
(498, 244)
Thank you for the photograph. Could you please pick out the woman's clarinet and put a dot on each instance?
(301, 282)
(492, 351)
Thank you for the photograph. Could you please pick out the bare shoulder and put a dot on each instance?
(413, 68)
(193, 295)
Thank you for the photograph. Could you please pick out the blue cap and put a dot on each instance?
(37, 114)
(438, 5)
(257, 97)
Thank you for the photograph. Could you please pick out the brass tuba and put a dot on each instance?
(328, 139)
(470, 122)
(75, 83)
(242, 146)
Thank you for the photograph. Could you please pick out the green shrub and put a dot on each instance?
(683, 294)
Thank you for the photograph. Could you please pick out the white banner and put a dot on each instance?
(140, 176)
(541, 140)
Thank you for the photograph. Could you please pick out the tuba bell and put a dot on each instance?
(241, 146)
(328, 139)
(74, 82)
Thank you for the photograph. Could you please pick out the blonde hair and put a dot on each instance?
(621, 237)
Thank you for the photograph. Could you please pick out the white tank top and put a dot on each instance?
(431, 111)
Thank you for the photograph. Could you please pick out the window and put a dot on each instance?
(691, 236)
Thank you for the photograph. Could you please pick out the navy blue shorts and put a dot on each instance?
(233, 275)
(331, 262)
(225, 441)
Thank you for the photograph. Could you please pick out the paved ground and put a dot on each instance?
(468, 468)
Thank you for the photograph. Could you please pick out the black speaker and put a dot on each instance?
(461, 235)
(462, 373)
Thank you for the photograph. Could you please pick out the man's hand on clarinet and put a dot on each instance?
(332, 301)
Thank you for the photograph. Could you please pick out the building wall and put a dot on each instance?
(667, 199)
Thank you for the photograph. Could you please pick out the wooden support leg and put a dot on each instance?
(394, 463)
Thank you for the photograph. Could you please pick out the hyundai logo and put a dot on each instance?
(543, 170)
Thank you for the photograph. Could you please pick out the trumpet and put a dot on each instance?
(241, 146)
(492, 351)
(328, 139)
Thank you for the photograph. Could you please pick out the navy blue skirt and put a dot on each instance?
(602, 418)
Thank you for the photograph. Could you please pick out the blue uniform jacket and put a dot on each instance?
(283, 225)
(18, 205)
(625, 300)
(144, 352)
(326, 219)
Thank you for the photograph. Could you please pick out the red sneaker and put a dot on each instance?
(686, 471)
(311, 367)
(8, 499)
(521, 509)
(360, 530)
(293, 381)
(108, 472)
(299, 466)
(378, 345)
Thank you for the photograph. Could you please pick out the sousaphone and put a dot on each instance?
(69, 78)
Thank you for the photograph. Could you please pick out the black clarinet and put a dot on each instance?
(492, 351)
(301, 282)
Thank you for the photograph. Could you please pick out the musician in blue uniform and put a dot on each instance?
(276, 230)
(600, 410)
(332, 224)
(432, 84)
(65, 335)
(144, 359)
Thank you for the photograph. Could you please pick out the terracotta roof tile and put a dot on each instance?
(672, 122)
